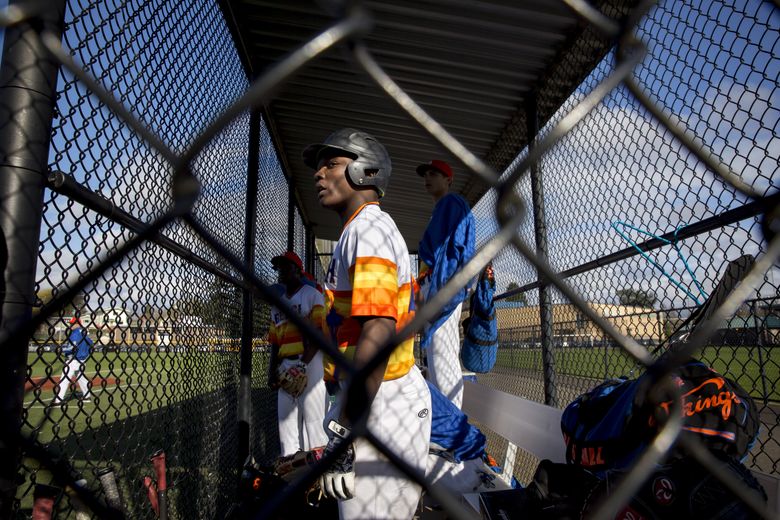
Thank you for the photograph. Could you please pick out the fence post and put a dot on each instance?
(759, 342)
(28, 83)
(310, 251)
(290, 214)
(540, 234)
(247, 324)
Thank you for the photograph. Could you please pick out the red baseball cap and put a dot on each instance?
(288, 256)
(437, 165)
(73, 320)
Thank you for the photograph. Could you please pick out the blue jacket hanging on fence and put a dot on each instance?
(480, 341)
(447, 245)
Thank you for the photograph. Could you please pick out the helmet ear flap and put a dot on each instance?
(357, 171)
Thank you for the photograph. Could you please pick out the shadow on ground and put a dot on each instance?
(200, 440)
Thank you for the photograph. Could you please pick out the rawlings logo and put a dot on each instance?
(663, 491)
(693, 404)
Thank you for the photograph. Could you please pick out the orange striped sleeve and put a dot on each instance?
(374, 287)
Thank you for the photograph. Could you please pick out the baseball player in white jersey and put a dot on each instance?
(301, 397)
(369, 296)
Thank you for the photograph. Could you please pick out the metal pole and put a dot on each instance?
(540, 234)
(28, 82)
(310, 251)
(290, 216)
(247, 328)
(759, 344)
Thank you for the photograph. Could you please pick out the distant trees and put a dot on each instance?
(220, 305)
(635, 297)
(46, 294)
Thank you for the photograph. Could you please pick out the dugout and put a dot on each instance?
(150, 163)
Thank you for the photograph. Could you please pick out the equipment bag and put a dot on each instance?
(480, 343)
(609, 426)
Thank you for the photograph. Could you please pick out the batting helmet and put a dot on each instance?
(368, 154)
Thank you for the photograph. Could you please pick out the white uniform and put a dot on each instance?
(370, 276)
(73, 371)
(300, 419)
(443, 356)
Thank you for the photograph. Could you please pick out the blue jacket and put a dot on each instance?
(78, 344)
(447, 245)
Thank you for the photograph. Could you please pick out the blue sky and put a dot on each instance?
(618, 165)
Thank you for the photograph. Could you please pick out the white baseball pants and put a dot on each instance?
(443, 356)
(73, 371)
(300, 420)
(401, 417)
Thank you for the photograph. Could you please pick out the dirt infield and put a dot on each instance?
(46, 383)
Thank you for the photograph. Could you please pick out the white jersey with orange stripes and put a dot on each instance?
(307, 302)
(300, 419)
(369, 276)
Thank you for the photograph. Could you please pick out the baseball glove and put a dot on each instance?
(293, 380)
(290, 467)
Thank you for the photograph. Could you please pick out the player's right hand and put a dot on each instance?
(339, 481)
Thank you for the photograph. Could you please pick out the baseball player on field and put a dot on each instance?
(446, 246)
(369, 296)
(297, 368)
(76, 351)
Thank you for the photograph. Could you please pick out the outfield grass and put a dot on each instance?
(739, 363)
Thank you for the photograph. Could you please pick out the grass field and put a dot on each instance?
(756, 374)
(186, 403)
(182, 402)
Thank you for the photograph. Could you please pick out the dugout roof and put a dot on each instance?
(472, 65)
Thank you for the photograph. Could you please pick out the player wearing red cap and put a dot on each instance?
(301, 398)
(447, 245)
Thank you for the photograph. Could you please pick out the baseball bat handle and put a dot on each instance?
(43, 501)
(151, 494)
(82, 513)
(107, 480)
(158, 461)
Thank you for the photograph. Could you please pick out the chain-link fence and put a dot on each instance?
(165, 201)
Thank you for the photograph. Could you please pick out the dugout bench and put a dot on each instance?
(536, 428)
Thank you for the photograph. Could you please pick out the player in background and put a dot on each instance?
(76, 351)
(300, 416)
(446, 246)
(369, 294)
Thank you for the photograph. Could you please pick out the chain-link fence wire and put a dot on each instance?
(164, 369)
(620, 179)
(187, 160)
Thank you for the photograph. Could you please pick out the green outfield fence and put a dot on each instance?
(127, 201)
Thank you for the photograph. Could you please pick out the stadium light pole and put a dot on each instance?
(28, 88)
